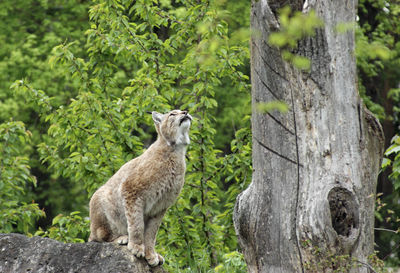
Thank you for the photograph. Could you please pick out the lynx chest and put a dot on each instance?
(163, 194)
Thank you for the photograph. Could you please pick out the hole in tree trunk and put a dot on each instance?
(344, 211)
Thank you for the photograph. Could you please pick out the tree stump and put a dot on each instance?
(312, 193)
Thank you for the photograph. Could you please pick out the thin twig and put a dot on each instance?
(385, 229)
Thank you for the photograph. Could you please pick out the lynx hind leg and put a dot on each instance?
(102, 234)
(99, 227)
(122, 240)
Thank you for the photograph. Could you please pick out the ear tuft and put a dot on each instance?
(157, 117)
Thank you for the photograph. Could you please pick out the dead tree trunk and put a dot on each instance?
(310, 206)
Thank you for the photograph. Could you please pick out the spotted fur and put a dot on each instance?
(129, 208)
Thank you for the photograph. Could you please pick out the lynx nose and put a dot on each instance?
(185, 112)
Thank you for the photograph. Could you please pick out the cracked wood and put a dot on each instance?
(318, 160)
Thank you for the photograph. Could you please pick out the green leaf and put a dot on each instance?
(272, 106)
(385, 162)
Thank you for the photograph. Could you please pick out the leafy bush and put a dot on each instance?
(17, 212)
(69, 229)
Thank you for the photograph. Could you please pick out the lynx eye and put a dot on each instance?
(172, 114)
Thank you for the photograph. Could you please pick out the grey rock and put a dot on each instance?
(19, 253)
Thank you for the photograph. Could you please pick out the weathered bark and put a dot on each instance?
(315, 167)
(19, 253)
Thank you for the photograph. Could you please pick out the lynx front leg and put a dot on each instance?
(152, 225)
(135, 221)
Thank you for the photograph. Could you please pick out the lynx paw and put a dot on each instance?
(122, 240)
(160, 259)
(154, 259)
(137, 250)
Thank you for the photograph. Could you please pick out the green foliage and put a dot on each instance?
(233, 263)
(393, 150)
(29, 30)
(374, 107)
(69, 229)
(378, 59)
(17, 213)
(374, 43)
(323, 260)
(294, 26)
(386, 212)
(267, 107)
(378, 53)
(141, 57)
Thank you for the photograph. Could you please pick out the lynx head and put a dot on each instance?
(173, 126)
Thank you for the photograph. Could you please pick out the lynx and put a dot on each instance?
(129, 207)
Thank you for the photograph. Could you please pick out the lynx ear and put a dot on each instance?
(157, 117)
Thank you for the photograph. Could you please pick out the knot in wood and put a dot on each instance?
(344, 211)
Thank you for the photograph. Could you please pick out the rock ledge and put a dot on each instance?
(19, 253)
